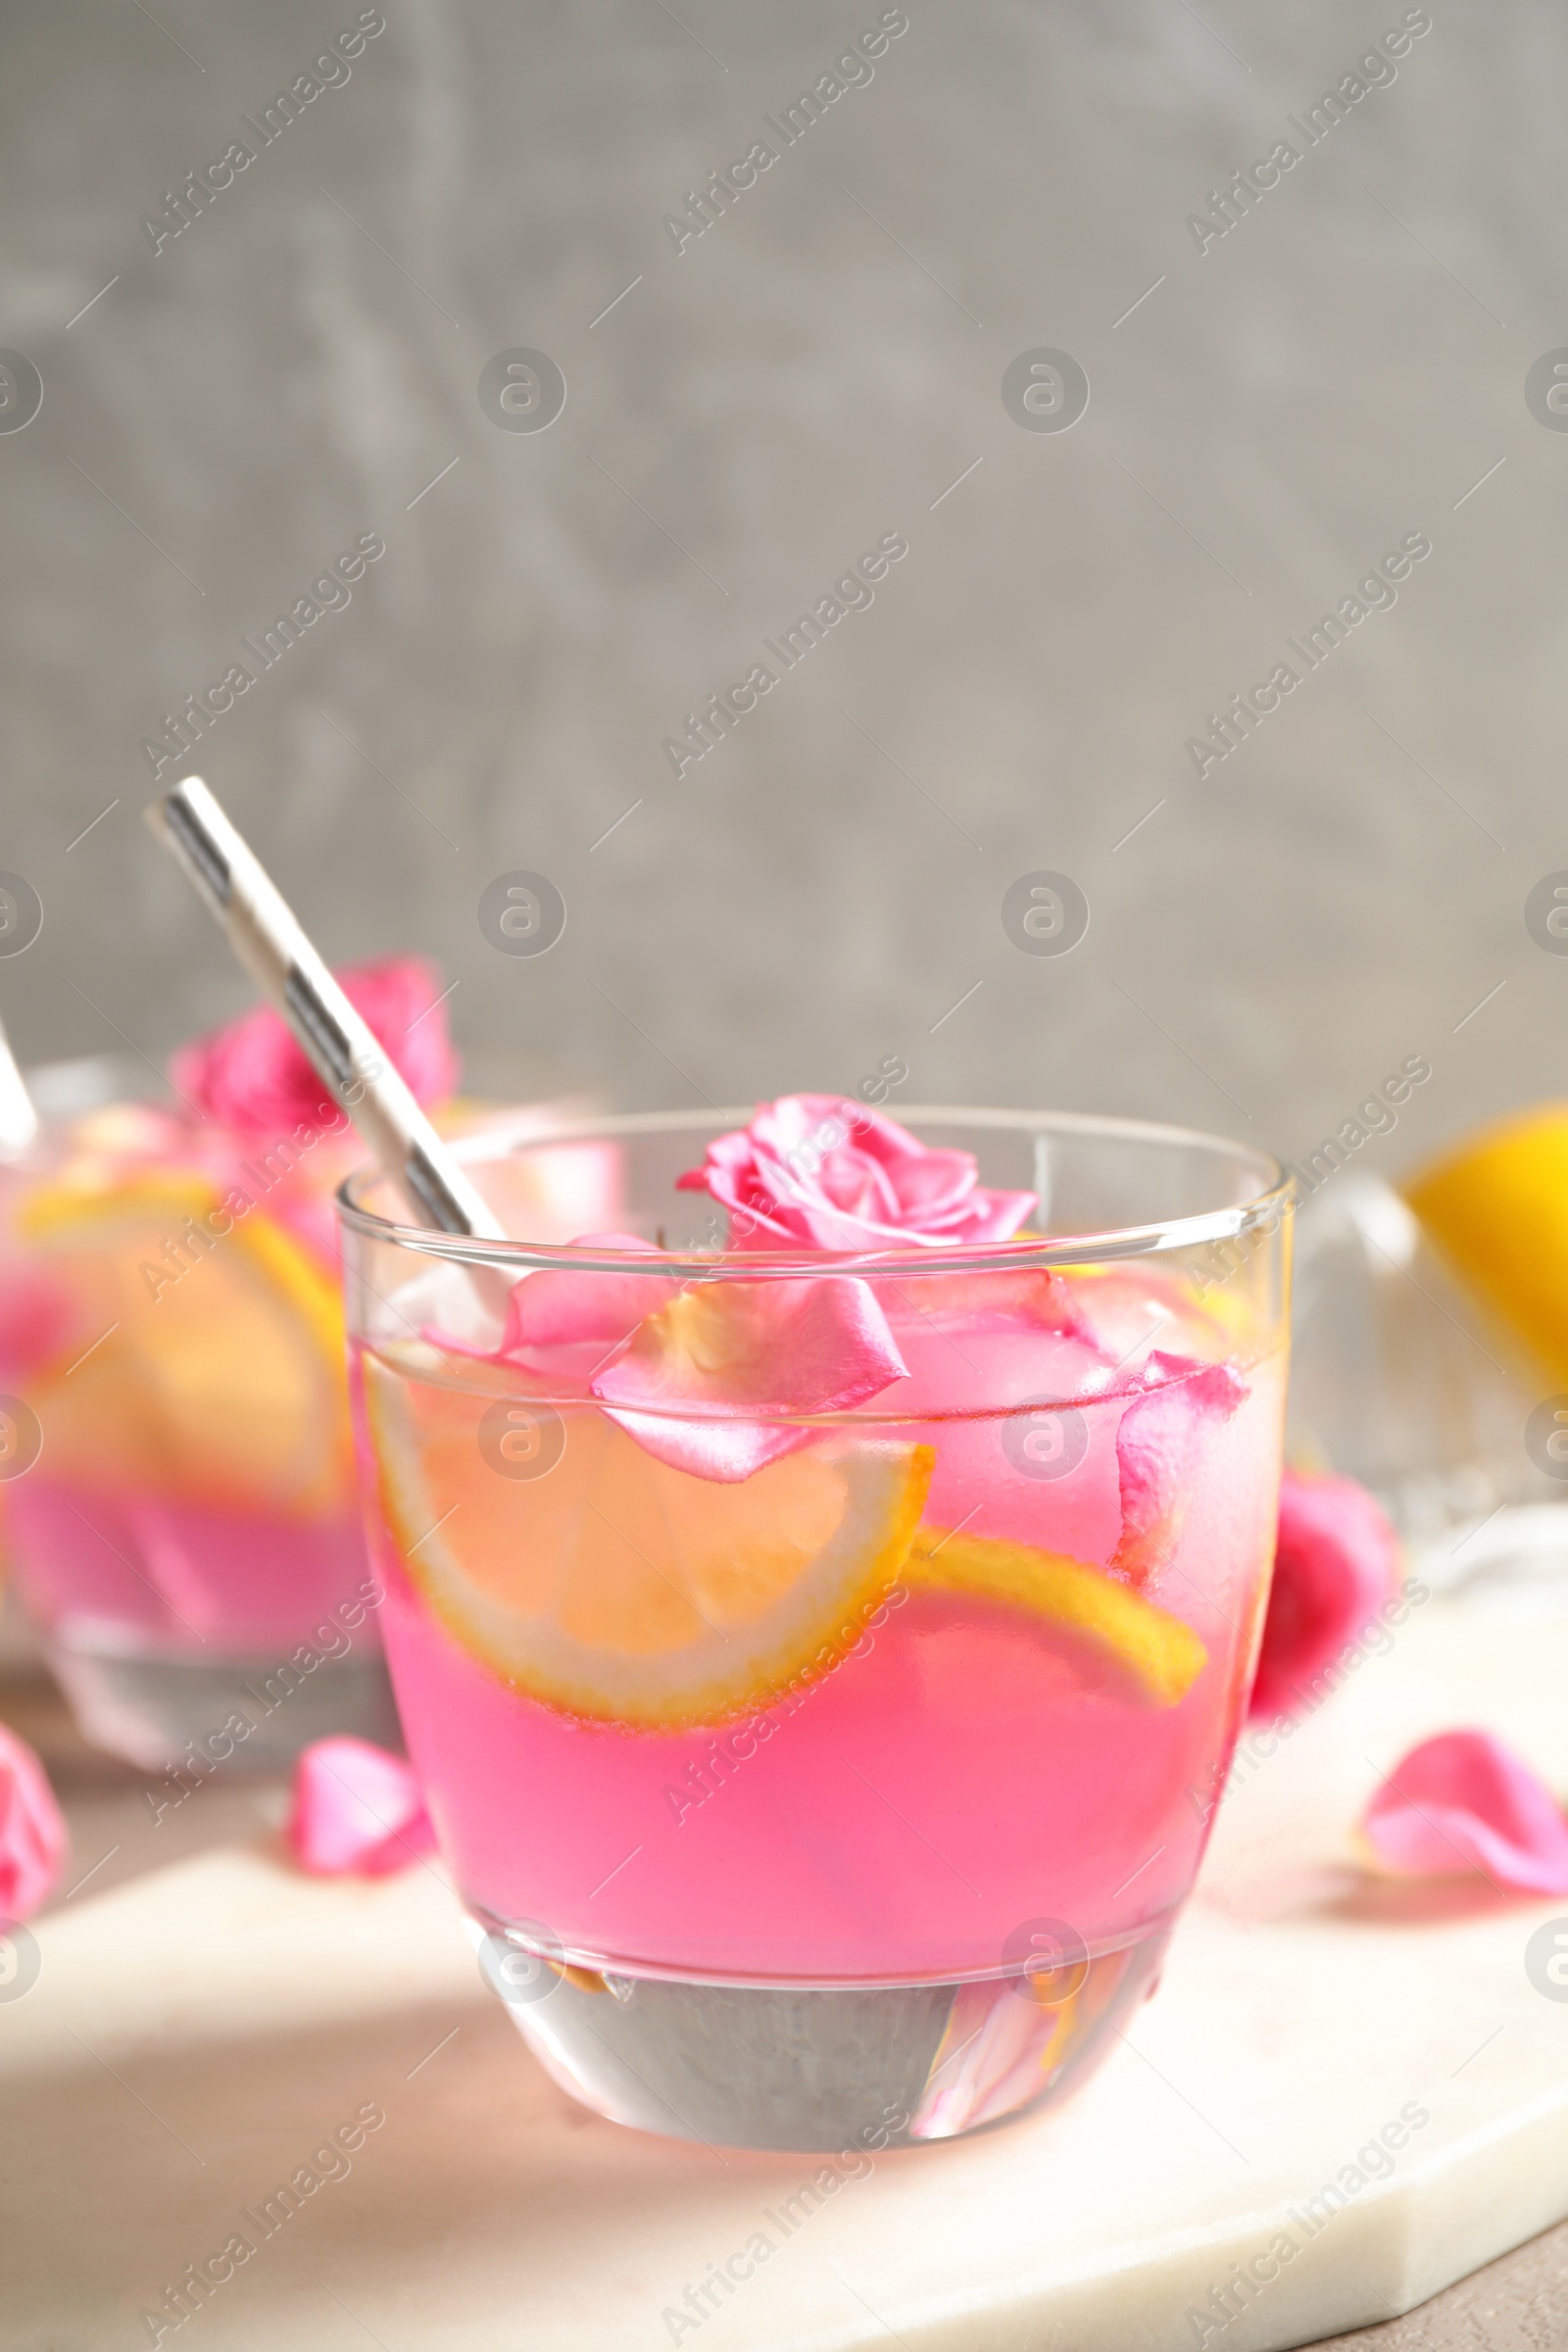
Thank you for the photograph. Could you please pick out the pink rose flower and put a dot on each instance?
(32, 1830)
(1336, 1565)
(817, 1172)
(250, 1074)
(1463, 1801)
(356, 1808)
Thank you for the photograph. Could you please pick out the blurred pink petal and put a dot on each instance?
(37, 1316)
(1159, 1444)
(250, 1074)
(1463, 1801)
(32, 1830)
(819, 1172)
(1336, 1565)
(753, 1349)
(356, 1808)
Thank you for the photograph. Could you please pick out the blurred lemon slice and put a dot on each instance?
(617, 1587)
(1496, 1209)
(1162, 1654)
(213, 1375)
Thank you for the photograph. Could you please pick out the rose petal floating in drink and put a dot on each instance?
(356, 1808)
(551, 1309)
(1159, 1444)
(1032, 1300)
(1337, 1562)
(32, 1830)
(555, 1311)
(817, 1172)
(715, 1379)
(754, 1350)
(250, 1074)
(1463, 1801)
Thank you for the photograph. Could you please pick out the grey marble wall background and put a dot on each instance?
(296, 368)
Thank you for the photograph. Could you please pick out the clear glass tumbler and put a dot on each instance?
(176, 1476)
(818, 1777)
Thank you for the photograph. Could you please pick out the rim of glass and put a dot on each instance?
(1263, 1207)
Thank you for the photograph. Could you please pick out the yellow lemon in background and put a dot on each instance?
(1496, 1209)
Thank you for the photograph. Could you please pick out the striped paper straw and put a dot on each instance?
(342, 1049)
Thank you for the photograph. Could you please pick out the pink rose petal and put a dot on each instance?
(551, 1309)
(696, 1372)
(1336, 1565)
(1032, 1299)
(1463, 1801)
(356, 1808)
(756, 1350)
(32, 1832)
(819, 1172)
(555, 1309)
(1159, 1444)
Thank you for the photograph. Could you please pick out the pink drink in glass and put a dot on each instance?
(945, 1857)
(179, 1507)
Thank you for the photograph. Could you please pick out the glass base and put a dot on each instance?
(175, 1713)
(837, 2068)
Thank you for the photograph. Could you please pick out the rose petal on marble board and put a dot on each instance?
(33, 1841)
(358, 1809)
(1159, 1444)
(1335, 1564)
(756, 1352)
(1463, 1801)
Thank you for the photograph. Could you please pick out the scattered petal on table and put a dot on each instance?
(32, 1830)
(356, 1808)
(1463, 1801)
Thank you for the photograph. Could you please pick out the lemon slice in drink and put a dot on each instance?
(616, 1588)
(215, 1376)
(1164, 1655)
